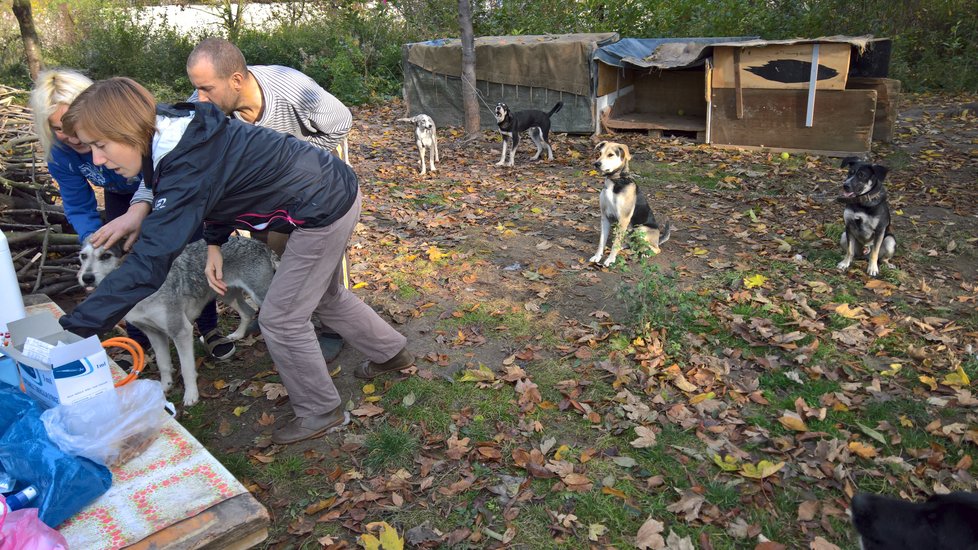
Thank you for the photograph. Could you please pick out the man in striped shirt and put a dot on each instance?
(272, 96)
(275, 97)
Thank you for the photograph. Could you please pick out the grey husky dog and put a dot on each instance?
(169, 313)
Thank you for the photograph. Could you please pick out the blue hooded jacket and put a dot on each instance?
(228, 174)
(76, 174)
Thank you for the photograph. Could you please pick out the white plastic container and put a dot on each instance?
(11, 309)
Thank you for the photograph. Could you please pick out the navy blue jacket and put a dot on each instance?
(228, 174)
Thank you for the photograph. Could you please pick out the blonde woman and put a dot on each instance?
(70, 164)
(70, 161)
(203, 166)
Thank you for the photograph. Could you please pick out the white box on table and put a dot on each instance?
(77, 371)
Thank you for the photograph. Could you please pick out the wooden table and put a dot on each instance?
(235, 523)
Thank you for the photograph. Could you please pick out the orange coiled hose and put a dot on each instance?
(135, 350)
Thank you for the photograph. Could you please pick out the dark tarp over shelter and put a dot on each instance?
(526, 72)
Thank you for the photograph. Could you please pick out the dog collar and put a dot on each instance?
(874, 197)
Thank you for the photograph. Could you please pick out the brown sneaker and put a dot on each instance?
(308, 427)
(369, 370)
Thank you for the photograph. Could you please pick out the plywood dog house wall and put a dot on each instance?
(791, 95)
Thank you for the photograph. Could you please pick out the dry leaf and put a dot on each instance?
(646, 437)
(649, 535)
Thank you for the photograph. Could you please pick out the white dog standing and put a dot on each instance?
(426, 137)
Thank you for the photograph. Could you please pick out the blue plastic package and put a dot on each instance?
(65, 484)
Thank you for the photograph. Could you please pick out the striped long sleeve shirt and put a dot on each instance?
(292, 103)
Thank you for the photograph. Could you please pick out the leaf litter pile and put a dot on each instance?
(733, 391)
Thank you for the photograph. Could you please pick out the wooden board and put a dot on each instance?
(653, 121)
(611, 79)
(237, 523)
(775, 119)
(887, 104)
(782, 66)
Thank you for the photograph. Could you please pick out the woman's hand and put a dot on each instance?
(125, 226)
(215, 269)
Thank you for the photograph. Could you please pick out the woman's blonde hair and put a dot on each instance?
(117, 109)
(54, 88)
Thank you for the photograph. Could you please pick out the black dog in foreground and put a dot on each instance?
(943, 522)
(513, 123)
(867, 215)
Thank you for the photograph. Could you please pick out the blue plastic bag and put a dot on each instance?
(65, 483)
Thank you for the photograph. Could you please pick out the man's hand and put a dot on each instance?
(215, 269)
(125, 226)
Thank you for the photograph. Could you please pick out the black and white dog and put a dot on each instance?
(513, 123)
(867, 215)
(943, 522)
(426, 137)
(623, 204)
(169, 313)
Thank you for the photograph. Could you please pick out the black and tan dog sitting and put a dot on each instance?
(867, 215)
(943, 522)
(533, 121)
(623, 204)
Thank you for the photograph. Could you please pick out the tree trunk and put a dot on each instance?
(32, 45)
(470, 102)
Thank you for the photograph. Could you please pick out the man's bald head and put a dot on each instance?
(218, 71)
(224, 56)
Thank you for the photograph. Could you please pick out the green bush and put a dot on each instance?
(110, 42)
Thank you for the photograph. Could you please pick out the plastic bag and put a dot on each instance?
(23, 530)
(65, 483)
(112, 428)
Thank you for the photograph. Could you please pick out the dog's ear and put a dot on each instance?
(880, 171)
(600, 145)
(625, 153)
(848, 162)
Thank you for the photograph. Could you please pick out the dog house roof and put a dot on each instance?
(676, 53)
(642, 52)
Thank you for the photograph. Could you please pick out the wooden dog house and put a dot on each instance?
(824, 95)
(646, 84)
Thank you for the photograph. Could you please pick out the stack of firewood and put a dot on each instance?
(45, 255)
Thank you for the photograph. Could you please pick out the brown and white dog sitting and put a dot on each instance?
(623, 204)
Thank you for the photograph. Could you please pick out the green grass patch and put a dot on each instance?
(390, 447)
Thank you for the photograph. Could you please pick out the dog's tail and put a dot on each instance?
(556, 108)
(665, 233)
(411, 120)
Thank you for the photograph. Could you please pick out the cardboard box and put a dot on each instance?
(76, 371)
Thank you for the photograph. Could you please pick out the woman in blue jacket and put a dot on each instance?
(70, 164)
(202, 166)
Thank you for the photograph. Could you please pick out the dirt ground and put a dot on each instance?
(477, 264)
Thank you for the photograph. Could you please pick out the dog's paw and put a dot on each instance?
(423, 172)
(190, 398)
(842, 266)
(167, 384)
(609, 260)
(873, 270)
(501, 163)
(594, 259)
